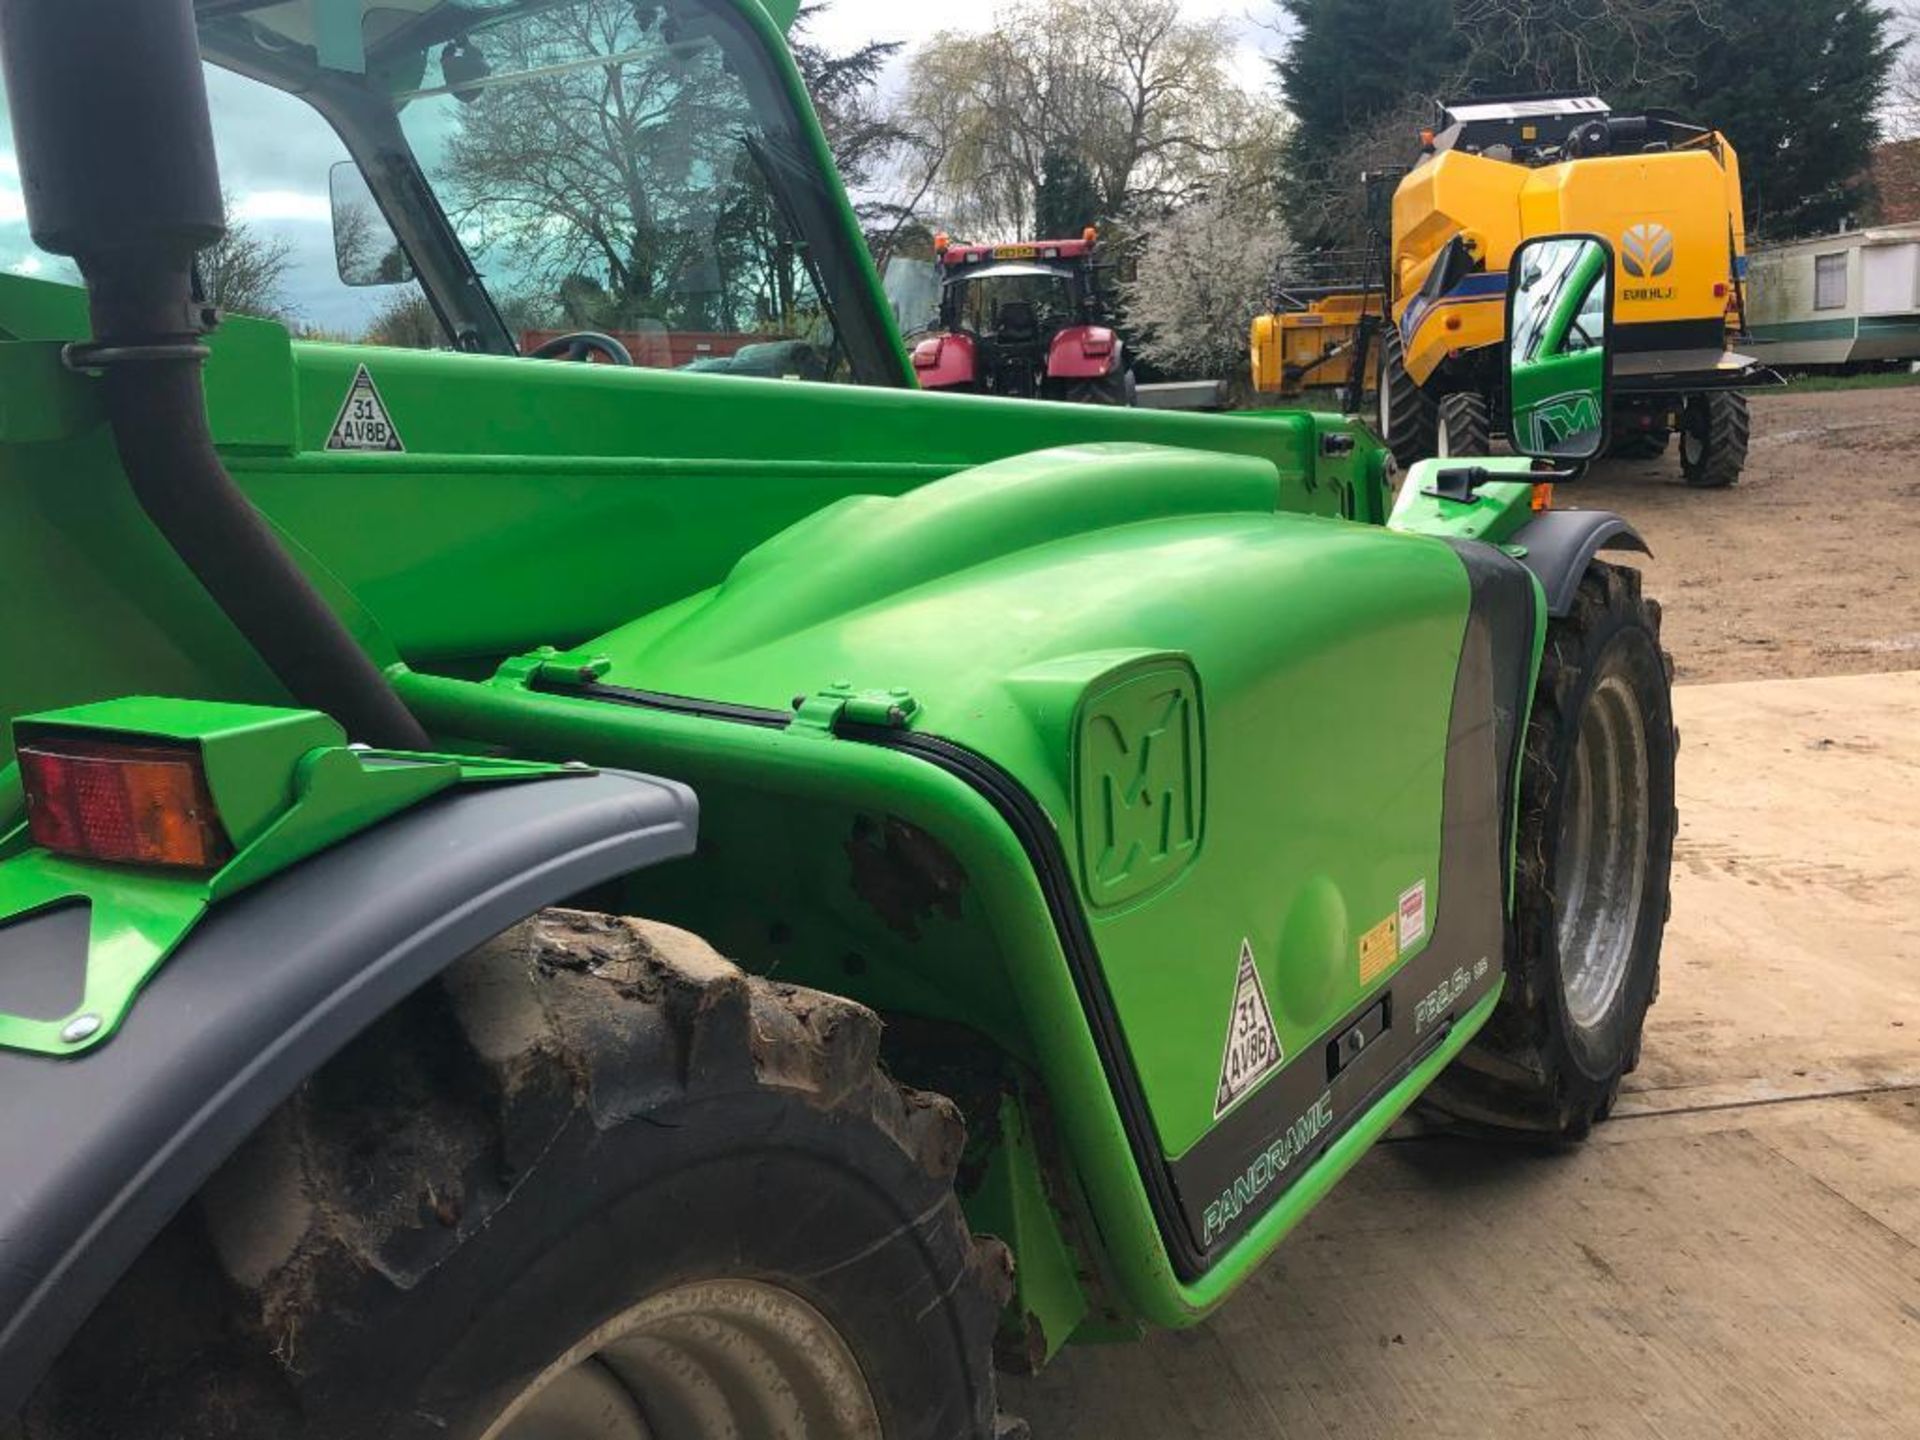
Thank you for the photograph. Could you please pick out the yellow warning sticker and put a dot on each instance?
(1379, 949)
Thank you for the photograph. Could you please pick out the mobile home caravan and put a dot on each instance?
(1849, 300)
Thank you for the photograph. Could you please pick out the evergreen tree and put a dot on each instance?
(1350, 66)
(1797, 86)
(843, 87)
(1068, 199)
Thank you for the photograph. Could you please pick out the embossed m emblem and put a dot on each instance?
(1139, 793)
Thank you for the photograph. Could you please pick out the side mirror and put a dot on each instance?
(365, 249)
(1560, 347)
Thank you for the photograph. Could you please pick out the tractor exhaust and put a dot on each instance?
(115, 146)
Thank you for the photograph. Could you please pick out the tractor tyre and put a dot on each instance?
(1714, 430)
(1408, 420)
(1597, 822)
(1119, 388)
(1639, 444)
(595, 1182)
(1465, 426)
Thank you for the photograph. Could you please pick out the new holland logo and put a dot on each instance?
(1647, 250)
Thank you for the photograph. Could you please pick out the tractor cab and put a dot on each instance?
(1029, 320)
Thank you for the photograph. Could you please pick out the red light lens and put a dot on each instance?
(126, 804)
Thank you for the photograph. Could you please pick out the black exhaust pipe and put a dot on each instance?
(115, 146)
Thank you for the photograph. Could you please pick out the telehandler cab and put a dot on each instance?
(1114, 820)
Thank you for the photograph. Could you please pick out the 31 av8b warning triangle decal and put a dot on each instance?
(1253, 1044)
(364, 423)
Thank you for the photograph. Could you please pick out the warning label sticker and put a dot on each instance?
(1413, 916)
(1253, 1044)
(364, 423)
(1379, 950)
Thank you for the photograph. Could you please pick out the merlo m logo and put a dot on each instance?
(1139, 796)
(1563, 419)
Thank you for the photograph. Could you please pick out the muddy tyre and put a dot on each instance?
(596, 1184)
(1465, 427)
(1714, 432)
(1595, 842)
(1119, 388)
(1407, 420)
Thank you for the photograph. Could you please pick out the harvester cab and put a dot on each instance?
(1113, 821)
(1031, 320)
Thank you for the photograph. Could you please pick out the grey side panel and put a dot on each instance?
(97, 1153)
(1562, 543)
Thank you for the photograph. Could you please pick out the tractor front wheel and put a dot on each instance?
(1714, 430)
(1466, 426)
(1597, 822)
(595, 1184)
(1408, 422)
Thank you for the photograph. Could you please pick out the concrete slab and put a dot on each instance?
(1736, 1255)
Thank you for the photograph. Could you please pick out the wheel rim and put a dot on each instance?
(1443, 441)
(1693, 439)
(1386, 396)
(710, 1360)
(1600, 868)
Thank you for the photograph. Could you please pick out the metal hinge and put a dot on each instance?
(826, 709)
(549, 668)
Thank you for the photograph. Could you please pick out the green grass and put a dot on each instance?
(1813, 384)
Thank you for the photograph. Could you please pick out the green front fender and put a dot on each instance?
(777, 884)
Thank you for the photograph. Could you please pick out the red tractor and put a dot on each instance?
(1028, 320)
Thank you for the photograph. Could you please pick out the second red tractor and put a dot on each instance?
(1030, 320)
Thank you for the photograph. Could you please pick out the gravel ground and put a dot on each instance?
(1810, 565)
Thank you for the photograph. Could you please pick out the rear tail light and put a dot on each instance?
(123, 803)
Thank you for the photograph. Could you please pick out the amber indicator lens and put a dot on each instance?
(123, 803)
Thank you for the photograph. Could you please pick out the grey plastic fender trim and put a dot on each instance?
(1560, 544)
(98, 1153)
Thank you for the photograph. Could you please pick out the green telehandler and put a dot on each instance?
(1112, 821)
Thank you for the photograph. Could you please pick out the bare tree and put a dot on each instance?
(245, 271)
(1597, 45)
(1141, 96)
(1903, 97)
(406, 320)
(624, 179)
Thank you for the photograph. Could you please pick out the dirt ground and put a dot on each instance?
(1811, 564)
(1736, 1255)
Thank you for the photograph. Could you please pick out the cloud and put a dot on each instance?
(278, 206)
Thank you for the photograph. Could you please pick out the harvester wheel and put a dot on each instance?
(1407, 420)
(594, 1184)
(1597, 822)
(1714, 430)
(1465, 427)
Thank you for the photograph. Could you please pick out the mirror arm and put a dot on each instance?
(1461, 484)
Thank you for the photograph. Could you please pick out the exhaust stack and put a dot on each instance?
(115, 146)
